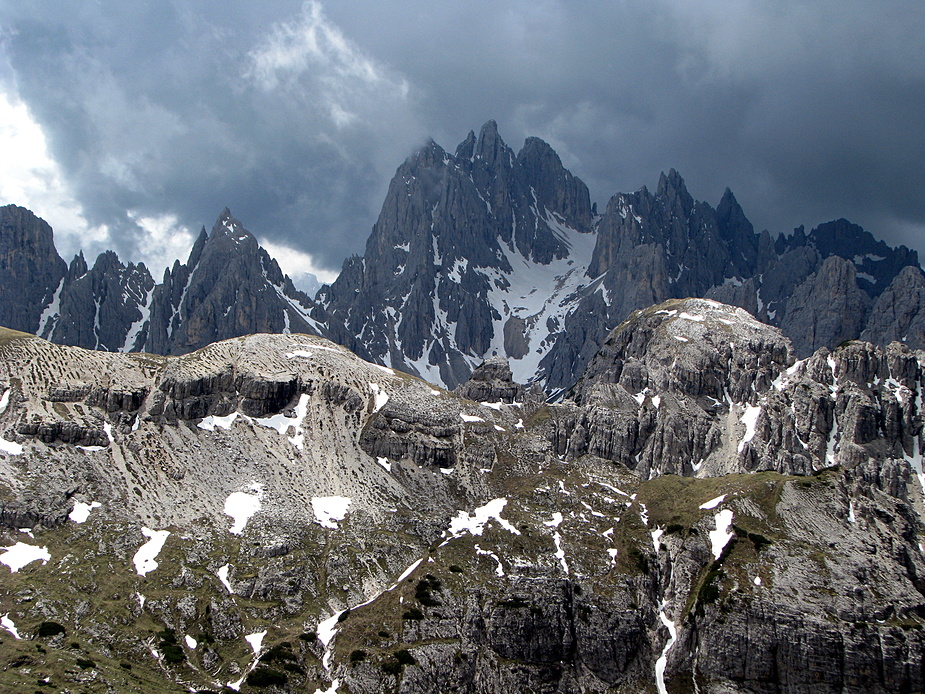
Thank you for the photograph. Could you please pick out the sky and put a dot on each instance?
(130, 125)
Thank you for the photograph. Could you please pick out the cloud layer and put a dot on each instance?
(295, 115)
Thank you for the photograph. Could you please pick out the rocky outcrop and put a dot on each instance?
(492, 381)
(694, 387)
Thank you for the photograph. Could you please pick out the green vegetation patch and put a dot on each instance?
(675, 501)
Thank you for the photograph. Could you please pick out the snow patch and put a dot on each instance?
(81, 511)
(282, 424)
(555, 522)
(10, 447)
(241, 506)
(222, 574)
(474, 523)
(330, 509)
(499, 569)
(713, 503)
(470, 418)
(721, 536)
(8, 624)
(380, 396)
(750, 420)
(560, 551)
(209, 423)
(144, 558)
(256, 640)
(191, 643)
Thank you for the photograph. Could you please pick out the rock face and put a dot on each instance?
(818, 289)
(471, 257)
(104, 307)
(899, 312)
(229, 287)
(466, 245)
(703, 512)
(30, 268)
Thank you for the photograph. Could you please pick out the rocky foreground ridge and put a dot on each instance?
(271, 513)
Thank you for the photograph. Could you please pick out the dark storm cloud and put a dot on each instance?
(295, 115)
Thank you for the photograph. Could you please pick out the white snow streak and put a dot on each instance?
(721, 536)
(222, 574)
(713, 503)
(750, 420)
(662, 661)
(8, 624)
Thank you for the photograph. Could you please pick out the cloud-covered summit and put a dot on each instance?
(153, 117)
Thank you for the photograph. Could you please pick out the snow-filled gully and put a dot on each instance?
(719, 538)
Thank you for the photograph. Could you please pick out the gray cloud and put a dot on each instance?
(295, 115)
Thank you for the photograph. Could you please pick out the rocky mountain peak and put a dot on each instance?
(227, 227)
(673, 190)
(466, 148)
(228, 287)
(455, 234)
(78, 267)
(490, 148)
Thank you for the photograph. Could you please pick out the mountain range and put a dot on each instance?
(518, 446)
(478, 253)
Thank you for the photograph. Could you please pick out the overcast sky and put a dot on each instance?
(129, 125)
